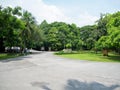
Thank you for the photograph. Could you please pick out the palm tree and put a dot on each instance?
(26, 34)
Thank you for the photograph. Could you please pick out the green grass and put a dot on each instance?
(92, 56)
(9, 55)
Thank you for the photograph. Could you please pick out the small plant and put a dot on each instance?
(68, 46)
(60, 52)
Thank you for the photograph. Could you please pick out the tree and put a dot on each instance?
(27, 33)
(10, 27)
(52, 38)
(101, 24)
(59, 35)
(18, 28)
(112, 39)
(89, 35)
(104, 44)
(74, 36)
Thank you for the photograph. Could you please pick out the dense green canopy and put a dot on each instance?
(19, 28)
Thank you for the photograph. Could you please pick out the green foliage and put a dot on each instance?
(112, 39)
(18, 28)
(103, 35)
(10, 26)
(88, 36)
(59, 34)
(60, 52)
(102, 24)
(103, 43)
(68, 45)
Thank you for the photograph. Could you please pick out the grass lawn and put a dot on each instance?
(9, 55)
(92, 57)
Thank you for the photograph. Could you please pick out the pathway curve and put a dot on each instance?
(45, 71)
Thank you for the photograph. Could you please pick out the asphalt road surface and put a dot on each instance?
(45, 71)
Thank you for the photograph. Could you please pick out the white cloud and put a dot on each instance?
(86, 19)
(52, 13)
(43, 11)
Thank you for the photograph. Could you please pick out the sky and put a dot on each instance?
(79, 12)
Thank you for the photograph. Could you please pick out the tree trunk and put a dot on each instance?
(95, 50)
(2, 48)
(105, 52)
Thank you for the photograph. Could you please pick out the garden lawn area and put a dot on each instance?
(91, 56)
(9, 55)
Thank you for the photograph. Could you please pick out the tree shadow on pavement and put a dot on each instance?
(42, 85)
(73, 84)
(19, 58)
(115, 58)
(15, 59)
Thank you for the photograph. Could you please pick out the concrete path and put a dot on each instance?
(46, 71)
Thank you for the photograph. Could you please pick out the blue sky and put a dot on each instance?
(94, 7)
(80, 12)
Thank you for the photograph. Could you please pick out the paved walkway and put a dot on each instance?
(45, 71)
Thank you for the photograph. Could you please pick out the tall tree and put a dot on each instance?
(112, 39)
(9, 26)
(27, 33)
